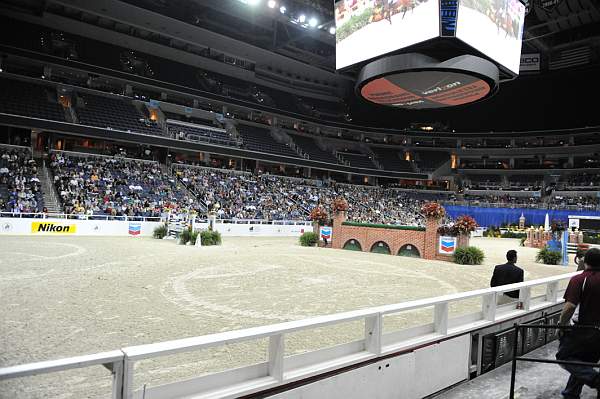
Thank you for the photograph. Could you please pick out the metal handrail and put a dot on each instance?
(516, 358)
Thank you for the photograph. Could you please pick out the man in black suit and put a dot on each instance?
(508, 273)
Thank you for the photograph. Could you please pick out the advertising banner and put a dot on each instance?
(135, 229)
(447, 245)
(325, 233)
(53, 228)
(530, 62)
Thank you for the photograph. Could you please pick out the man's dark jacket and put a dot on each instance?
(507, 273)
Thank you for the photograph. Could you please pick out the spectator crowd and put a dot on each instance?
(98, 186)
(19, 183)
(116, 187)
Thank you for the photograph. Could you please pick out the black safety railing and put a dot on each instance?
(515, 358)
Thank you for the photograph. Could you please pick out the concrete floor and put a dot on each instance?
(534, 381)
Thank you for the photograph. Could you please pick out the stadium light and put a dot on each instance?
(332, 30)
(272, 3)
(282, 9)
(302, 18)
(313, 22)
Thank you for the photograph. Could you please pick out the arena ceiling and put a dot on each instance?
(566, 34)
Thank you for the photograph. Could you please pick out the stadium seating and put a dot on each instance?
(311, 148)
(358, 160)
(248, 196)
(28, 99)
(112, 186)
(20, 189)
(200, 133)
(390, 159)
(114, 113)
(431, 160)
(259, 139)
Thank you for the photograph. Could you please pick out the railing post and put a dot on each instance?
(127, 378)
(525, 297)
(440, 318)
(117, 380)
(489, 304)
(513, 373)
(552, 292)
(373, 331)
(276, 353)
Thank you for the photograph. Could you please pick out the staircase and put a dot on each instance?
(51, 201)
(184, 187)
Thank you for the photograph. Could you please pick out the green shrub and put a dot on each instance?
(384, 226)
(160, 231)
(185, 236)
(469, 256)
(548, 257)
(193, 237)
(210, 237)
(309, 239)
(589, 238)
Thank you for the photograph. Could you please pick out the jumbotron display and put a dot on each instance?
(415, 81)
(494, 27)
(418, 90)
(366, 29)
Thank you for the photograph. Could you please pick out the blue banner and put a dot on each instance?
(565, 245)
(497, 216)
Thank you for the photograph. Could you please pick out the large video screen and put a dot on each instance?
(494, 27)
(369, 28)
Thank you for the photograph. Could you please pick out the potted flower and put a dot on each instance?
(465, 224)
(339, 205)
(433, 210)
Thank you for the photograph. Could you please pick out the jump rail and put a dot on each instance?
(279, 369)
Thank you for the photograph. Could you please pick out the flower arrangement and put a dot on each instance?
(465, 224)
(339, 205)
(318, 214)
(433, 210)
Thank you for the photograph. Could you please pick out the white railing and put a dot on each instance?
(86, 155)
(199, 219)
(279, 369)
(40, 215)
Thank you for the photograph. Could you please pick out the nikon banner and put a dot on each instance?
(53, 228)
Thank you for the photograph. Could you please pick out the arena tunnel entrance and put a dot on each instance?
(381, 247)
(409, 250)
(353, 245)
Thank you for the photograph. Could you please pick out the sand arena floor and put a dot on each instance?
(68, 296)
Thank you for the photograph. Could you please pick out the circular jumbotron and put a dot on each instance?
(416, 81)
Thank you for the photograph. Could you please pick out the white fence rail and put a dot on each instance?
(279, 369)
(47, 215)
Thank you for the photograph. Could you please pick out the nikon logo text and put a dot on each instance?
(53, 228)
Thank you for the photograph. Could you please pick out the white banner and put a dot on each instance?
(75, 227)
(530, 62)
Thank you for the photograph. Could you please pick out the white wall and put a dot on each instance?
(18, 226)
(26, 226)
(257, 230)
(410, 376)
